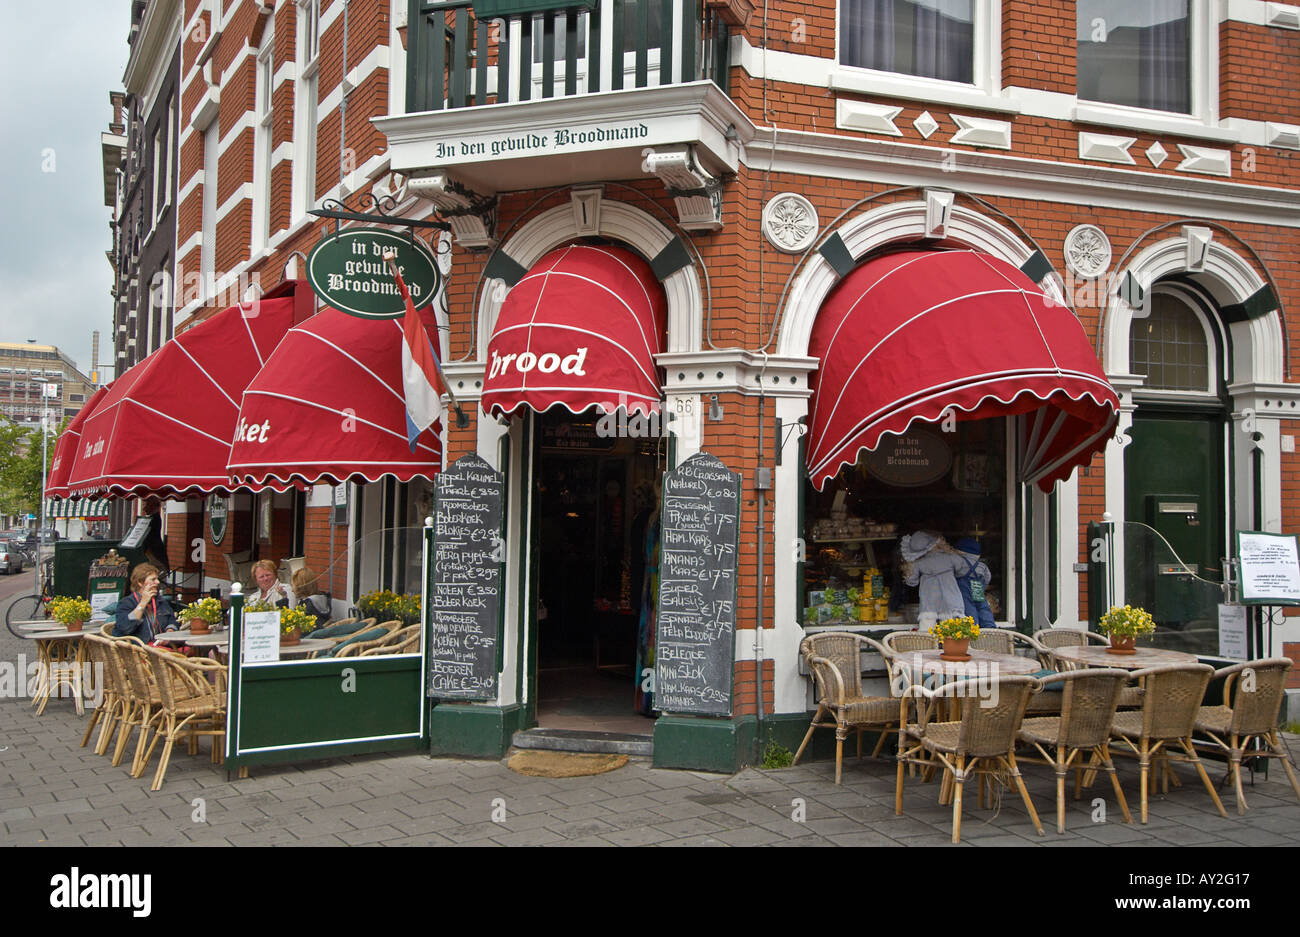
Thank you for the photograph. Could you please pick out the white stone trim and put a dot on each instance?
(1107, 148)
(618, 221)
(981, 131)
(282, 154)
(1282, 15)
(247, 121)
(1204, 159)
(193, 241)
(375, 61)
(867, 117)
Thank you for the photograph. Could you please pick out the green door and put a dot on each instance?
(1175, 484)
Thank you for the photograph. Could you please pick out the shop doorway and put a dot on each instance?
(594, 505)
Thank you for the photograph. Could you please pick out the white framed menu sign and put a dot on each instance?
(1269, 566)
(261, 638)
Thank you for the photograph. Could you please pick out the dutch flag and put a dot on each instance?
(421, 375)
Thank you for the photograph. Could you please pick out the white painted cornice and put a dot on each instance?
(983, 173)
(736, 370)
(160, 25)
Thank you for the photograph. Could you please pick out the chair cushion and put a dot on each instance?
(339, 629)
(369, 635)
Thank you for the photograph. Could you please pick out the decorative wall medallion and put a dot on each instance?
(790, 222)
(1157, 154)
(1087, 251)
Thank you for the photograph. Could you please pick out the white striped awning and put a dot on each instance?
(76, 507)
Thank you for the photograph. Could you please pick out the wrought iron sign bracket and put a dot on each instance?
(382, 204)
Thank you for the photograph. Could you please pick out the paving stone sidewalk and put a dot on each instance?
(54, 792)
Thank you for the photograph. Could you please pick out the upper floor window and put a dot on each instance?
(1135, 54)
(926, 38)
(262, 146)
(306, 101)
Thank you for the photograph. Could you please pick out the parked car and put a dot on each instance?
(11, 559)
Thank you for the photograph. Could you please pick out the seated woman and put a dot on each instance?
(142, 612)
(306, 585)
(269, 587)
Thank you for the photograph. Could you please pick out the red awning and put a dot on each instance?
(328, 406)
(65, 450)
(910, 335)
(580, 330)
(165, 426)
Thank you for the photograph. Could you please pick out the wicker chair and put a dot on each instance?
(834, 658)
(192, 706)
(355, 650)
(905, 642)
(1005, 641)
(1049, 638)
(980, 743)
(145, 700)
(1168, 715)
(1088, 701)
(401, 641)
(113, 688)
(1255, 690)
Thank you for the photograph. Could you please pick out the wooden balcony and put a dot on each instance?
(466, 54)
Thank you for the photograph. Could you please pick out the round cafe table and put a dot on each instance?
(981, 663)
(61, 658)
(1097, 655)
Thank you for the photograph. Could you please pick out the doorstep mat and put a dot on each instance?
(546, 764)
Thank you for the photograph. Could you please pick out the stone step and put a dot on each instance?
(577, 740)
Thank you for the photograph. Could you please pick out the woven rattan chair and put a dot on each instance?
(1049, 638)
(905, 642)
(834, 658)
(981, 742)
(144, 701)
(192, 705)
(401, 641)
(1253, 692)
(114, 691)
(356, 649)
(1088, 701)
(1005, 641)
(1167, 717)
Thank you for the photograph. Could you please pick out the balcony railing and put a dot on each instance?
(459, 58)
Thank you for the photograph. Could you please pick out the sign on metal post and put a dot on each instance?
(218, 517)
(347, 271)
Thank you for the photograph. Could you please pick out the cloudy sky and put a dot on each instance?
(61, 60)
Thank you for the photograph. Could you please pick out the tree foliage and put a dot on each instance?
(21, 470)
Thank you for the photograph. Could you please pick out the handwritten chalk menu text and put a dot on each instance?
(696, 617)
(1270, 568)
(464, 588)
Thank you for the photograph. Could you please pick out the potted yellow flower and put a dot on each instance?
(956, 635)
(71, 611)
(294, 623)
(202, 615)
(1124, 625)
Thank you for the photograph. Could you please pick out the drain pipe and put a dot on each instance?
(762, 483)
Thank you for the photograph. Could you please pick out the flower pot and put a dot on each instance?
(1122, 644)
(292, 637)
(75, 625)
(199, 626)
(955, 649)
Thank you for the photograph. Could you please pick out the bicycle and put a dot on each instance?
(32, 607)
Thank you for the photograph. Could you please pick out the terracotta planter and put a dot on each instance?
(75, 625)
(955, 649)
(199, 626)
(293, 637)
(1122, 644)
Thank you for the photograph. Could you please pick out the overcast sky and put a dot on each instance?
(60, 61)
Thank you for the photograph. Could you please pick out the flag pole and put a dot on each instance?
(390, 256)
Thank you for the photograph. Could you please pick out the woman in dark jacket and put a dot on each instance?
(142, 612)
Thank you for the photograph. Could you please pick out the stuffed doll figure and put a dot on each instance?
(933, 568)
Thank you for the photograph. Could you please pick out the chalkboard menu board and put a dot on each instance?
(464, 587)
(696, 616)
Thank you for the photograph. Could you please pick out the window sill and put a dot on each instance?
(927, 90)
(1142, 120)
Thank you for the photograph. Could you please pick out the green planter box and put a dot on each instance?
(490, 9)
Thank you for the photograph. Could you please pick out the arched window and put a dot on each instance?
(1171, 347)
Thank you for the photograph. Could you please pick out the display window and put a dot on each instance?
(892, 537)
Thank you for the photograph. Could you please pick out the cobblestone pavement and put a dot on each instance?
(54, 792)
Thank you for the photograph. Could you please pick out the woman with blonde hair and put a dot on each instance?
(306, 585)
(269, 587)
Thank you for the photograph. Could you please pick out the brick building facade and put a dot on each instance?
(1136, 161)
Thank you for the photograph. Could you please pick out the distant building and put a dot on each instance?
(24, 367)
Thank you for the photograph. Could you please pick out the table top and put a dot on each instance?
(185, 636)
(1098, 655)
(59, 632)
(304, 647)
(981, 662)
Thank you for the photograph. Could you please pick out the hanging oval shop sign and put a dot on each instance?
(347, 271)
(917, 457)
(218, 514)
